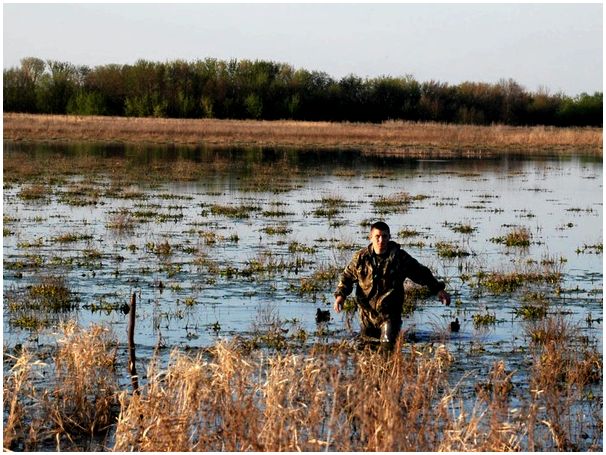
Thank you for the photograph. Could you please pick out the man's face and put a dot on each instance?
(379, 240)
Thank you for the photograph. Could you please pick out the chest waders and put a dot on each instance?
(377, 316)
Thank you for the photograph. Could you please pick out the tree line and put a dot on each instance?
(244, 89)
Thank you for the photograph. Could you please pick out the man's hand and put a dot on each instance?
(338, 306)
(444, 297)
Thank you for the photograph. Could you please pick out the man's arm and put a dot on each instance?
(346, 283)
(423, 276)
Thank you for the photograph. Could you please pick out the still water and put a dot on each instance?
(217, 244)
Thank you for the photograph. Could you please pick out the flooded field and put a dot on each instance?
(247, 244)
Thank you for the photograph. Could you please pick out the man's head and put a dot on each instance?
(379, 236)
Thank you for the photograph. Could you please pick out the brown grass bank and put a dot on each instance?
(399, 138)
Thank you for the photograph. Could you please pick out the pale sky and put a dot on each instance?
(553, 46)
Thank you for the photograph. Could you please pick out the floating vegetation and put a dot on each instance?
(233, 211)
(327, 212)
(34, 192)
(80, 195)
(597, 248)
(51, 293)
(484, 319)
(266, 179)
(333, 200)
(92, 253)
(406, 233)
(166, 217)
(450, 250)
(107, 306)
(267, 262)
(145, 214)
(330, 206)
(418, 244)
(577, 209)
(29, 262)
(189, 301)
(530, 311)
(180, 197)
(534, 306)
(276, 213)
(38, 305)
(412, 296)
(72, 237)
(461, 228)
(396, 203)
(323, 278)
(344, 245)
(518, 236)
(296, 247)
(162, 249)
(31, 243)
(277, 230)
(121, 221)
(506, 282)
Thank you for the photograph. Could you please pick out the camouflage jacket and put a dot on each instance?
(380, 280)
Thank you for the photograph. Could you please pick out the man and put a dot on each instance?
(379, 271)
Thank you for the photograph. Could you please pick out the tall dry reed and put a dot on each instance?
(331, 397)
(344, 401)
(563, 369)
(78, 403)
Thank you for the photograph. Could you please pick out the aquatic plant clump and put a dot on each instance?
(40, 304)
(36, 191)
(396, 203)
(450, 250)
(518, 236)
(500, 282)
(51, 294)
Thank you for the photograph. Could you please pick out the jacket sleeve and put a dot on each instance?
(421, 274)
(348, 278)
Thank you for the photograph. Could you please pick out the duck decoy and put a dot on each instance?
(455, 326)
(322, 315)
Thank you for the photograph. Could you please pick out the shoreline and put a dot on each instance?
(429, 140)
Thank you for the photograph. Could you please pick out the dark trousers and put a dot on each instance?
(386, 331)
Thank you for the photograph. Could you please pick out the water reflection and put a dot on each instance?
(236, 160)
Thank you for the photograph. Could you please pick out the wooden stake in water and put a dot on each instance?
(131, 344)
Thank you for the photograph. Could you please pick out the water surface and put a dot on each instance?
(301, 212)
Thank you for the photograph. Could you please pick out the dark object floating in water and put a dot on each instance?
(322, 315)
(455, 325)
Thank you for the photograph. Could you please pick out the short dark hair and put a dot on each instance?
(380, 226)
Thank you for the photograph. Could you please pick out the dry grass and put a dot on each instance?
(79, 403)
(288, 403)
(559, 379)
(229, 398)
(401, 138)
